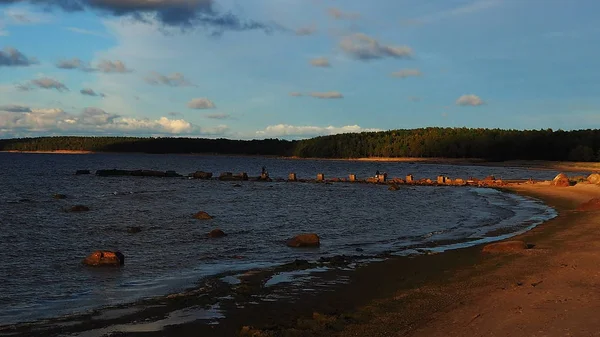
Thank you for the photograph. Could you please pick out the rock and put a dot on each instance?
(78, 208)
(591, 205)
(489, 178)
(394, 187)
(102, 258)
(304, 240)
(248, 331)
(216, 233)
(133, 230)
(237, 185)
(505, 247)
(202, 175)
(594, 178)
(60, 196)
(112, 173)
(202, 216)
(80, 172)
(459, 182)
(561, 180)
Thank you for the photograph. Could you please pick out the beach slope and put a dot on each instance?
(549, 290)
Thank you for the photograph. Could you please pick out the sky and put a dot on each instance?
(295, 69)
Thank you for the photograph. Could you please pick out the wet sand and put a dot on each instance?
(550, 290)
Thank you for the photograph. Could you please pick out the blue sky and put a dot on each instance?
(295, 68)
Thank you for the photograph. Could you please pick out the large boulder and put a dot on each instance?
(304, 240)
(102, 258)
(506, 247)
(202, 175)
(561, 180)
(202, 216)
(216, 233)
(591, 205)
(594, 178)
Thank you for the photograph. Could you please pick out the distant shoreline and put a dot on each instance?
(533, 164)
(51, 152)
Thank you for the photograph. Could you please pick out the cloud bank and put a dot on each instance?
(19, 119)
(171, 13)
(286, 130)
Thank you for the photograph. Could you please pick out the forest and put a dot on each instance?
(488, 144)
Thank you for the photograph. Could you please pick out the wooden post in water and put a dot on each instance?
(320, 177)
(292, 177)
(352, 177)
(409, 178)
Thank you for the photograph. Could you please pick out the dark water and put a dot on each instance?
(42, 247)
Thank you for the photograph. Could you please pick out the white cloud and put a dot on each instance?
(43, 83)
(173, 80)
(469, 100)
(218, 116)
(320, 62)
(365, 48)
(201, 103)
(109, 67)
(404, 73)
(327, 95)
(286, 130)
(93, 120)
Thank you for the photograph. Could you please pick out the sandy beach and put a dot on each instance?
(550, 290)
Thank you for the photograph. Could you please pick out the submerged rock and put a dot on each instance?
(59, 196)
(202, 216)
(304, 240)
(216, 233)
(394, 187)
(78, 208)
(561, 180)
(101, 258)
(506, 247)
(133, 230)
(80, 172)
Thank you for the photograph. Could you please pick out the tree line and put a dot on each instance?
(489, 144)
